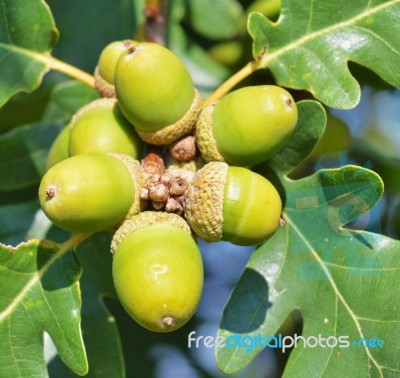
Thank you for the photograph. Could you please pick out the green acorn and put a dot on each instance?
(157, 270)
(156, 93)
(247, 126)
(90, 193)
(100, 127)
(59, 149)
(105, 69)
(232, 204)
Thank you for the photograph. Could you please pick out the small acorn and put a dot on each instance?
(232, 204)
(100, 127)
(157, 270)
(156, 93)
(59, 149)
(93, 192)
(105, 69)
(247, 126)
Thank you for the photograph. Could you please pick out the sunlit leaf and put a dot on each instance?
(310, 45)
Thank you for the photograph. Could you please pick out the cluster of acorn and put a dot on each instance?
(97, 181)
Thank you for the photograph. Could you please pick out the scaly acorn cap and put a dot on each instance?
(103, 87)
(204, 201)
(204, 135)
(184, 126)
(139, 179)
(145, 219)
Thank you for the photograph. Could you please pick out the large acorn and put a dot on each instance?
(247, 126)
(156, 93)
(100, 127)
(93, 192)
(157, 270)
(232, 204)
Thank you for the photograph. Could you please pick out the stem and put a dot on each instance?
(74, 241)
(235, 79)
(68, 69)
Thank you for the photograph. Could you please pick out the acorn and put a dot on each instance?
(93, 192)
(232, 204)
(247, 126)
(105, 69)
(157, 270)
(100, 127)
(59, 148)
(156, 93)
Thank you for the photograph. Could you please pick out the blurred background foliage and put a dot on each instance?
(210, 36)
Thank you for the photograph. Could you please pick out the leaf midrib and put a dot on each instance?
(336, 290)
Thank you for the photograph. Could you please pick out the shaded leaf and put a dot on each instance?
(86, 29)
(65, 99)
(27, 34)
(216, 20)
(99, 328)
(312, 42)
(24, 153)
(15, 220)
(42, 295)
(206, 72)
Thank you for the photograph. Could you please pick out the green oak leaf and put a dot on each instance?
(310, 45)
(24, 153)
(27, 35)
(40, 293)
(67, 98)
(99, 328)
(343, 281)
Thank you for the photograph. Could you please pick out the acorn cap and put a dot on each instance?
(204, 201)
(139, 179)
(145, 219)
(205, 137)
(184, 126)
(103, 87)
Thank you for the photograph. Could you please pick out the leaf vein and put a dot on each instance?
(336, 291)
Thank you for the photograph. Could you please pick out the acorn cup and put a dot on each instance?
(100, 127)
(157, 270)
(247, 126)
(93, 192)
(232, 204)
(156, 93)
